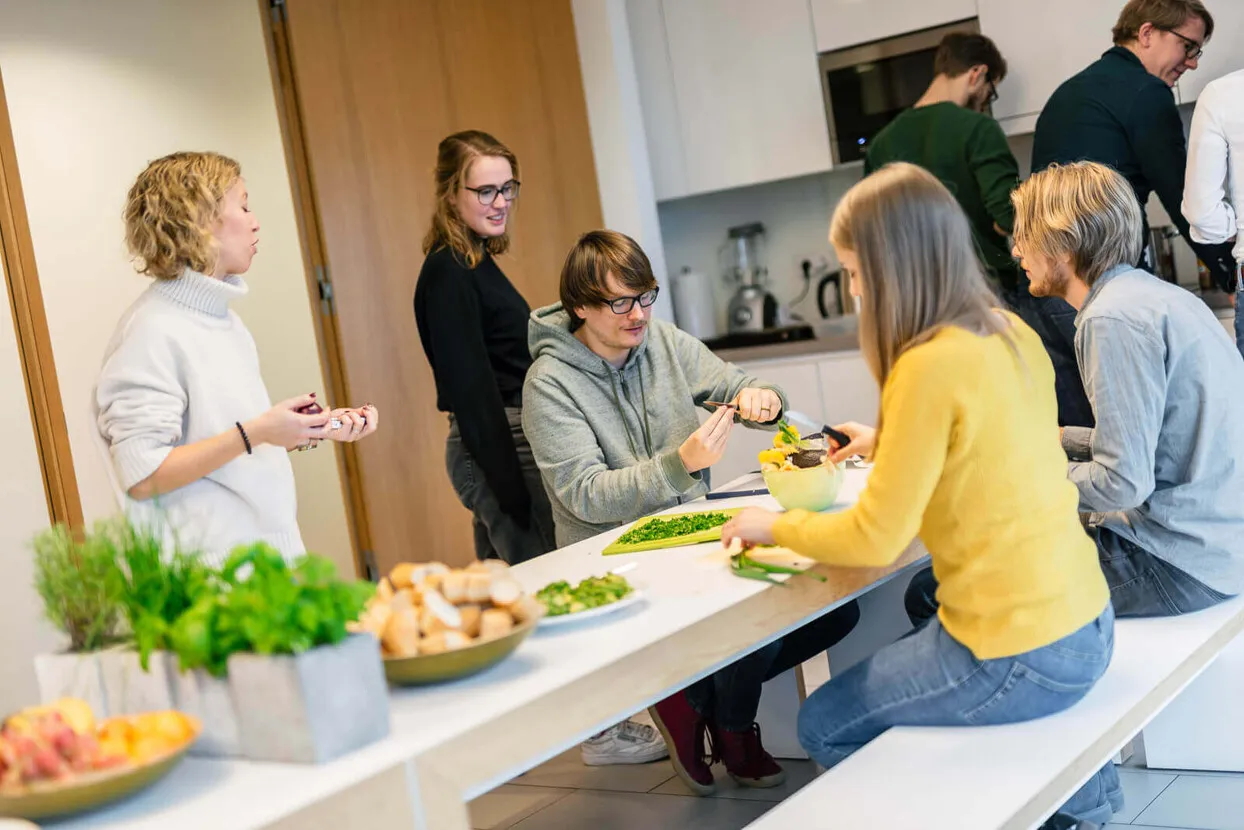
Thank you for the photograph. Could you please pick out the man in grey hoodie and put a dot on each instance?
(609, 408)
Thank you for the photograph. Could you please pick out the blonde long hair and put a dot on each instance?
(454, 157)
(171, 209)
(919, 268)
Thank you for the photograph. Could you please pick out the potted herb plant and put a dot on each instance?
(77, 580)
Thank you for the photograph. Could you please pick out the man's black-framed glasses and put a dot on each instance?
(993, 93)
(488, 193)
(623, 305)
(1192, 48)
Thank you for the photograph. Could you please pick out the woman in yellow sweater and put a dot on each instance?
(967, 456)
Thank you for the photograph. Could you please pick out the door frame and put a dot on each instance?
(315, 269)
(34, 341)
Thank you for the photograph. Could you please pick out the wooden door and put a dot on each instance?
(376, 86)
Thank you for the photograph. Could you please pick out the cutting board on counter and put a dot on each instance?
(697, 537)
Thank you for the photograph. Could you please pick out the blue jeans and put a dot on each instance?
(1239, 315)
(930, 679)
(1142, 585)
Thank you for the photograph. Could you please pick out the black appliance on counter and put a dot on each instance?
(765, 337)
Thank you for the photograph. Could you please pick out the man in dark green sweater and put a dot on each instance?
(948, 133)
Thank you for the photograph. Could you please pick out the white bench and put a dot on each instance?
(1014, 776)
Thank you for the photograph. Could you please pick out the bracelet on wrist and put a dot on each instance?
(245, 439)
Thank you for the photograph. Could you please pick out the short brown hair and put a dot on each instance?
(1163, 14)
(593, 258)
(454, 157)
(1084, 209)
(170, 211)
(960, 51)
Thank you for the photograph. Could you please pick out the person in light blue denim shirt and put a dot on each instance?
(1165, 462)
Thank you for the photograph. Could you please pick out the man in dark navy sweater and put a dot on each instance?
(1120, 111)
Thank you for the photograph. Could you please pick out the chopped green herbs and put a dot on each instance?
(673, 527)
(561, 599)
(789, 436)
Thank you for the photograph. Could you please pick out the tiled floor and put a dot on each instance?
(565, 795)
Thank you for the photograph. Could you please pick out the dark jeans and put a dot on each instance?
(1141, 584)
(497, 535)
(731, 696)
(1055, 322)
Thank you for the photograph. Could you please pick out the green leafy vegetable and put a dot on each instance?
(743, 565)
(789, 436)
(673, 527)
(561, 599)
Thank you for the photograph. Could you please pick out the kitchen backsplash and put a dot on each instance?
(795, 213)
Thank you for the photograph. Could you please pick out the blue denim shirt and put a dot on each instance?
(1167, 455)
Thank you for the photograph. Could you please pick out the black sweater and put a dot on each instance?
(1116, 113)
(473, 325)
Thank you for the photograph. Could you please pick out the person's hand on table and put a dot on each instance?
(707, 444)
(751, 527)
(863, 442)
(763, 406)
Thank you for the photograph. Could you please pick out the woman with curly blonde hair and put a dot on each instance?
(180, 400)
(473, 326)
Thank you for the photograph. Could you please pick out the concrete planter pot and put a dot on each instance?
(210, 699)
(311, 707)
(69, 674)
(128, 689)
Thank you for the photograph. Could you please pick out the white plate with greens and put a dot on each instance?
(593, 597)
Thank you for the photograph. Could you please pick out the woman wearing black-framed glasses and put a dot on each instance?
(473, 326)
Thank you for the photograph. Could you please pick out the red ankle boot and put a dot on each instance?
(686, 736)
(746, 759)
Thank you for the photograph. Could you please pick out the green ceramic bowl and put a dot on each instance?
(87, 791)
(452, 665)
(814, 488)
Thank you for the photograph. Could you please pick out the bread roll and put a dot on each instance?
(470, 619)
(505, 591)
(401, 633)
(527, 608)
(384, 590)
(403, 598)
(479, 587)
(377, 618)
(494, 623)
(401, 575)
(443, 641)
(438, 614)
(454, 586)
(487, 566)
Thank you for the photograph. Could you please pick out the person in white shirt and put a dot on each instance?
(193, 435)
(1214, 181)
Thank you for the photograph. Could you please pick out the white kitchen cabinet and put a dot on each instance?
(848, 390)
(1044, 44)
(1223, 54)
(666, 153)
(747, 91)
(841, 23)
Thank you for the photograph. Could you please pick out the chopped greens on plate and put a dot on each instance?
(748, 568)
(673, 527)
(561, 599)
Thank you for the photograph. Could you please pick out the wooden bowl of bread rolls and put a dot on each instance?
(437, 623)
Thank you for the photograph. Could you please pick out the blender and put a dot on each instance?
(752, 307)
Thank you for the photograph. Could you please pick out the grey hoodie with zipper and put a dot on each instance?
(606, 440)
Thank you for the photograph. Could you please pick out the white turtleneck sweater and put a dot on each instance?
(182, 367)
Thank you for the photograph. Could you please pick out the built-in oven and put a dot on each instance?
(866, 86)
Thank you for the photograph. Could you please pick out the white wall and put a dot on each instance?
(97, 90)
(23, 513)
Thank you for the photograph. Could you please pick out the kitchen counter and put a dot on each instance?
(840, 334)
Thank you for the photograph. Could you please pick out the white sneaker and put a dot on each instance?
(627, 743)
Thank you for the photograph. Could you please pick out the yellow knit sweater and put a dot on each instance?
(969, 459)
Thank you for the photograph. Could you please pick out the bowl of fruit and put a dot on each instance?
(56, 760)
(437, 623)
(798, 471)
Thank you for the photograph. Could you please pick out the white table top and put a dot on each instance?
(683, 586)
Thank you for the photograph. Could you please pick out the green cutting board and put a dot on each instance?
(698, 538)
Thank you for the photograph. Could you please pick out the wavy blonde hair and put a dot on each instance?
(171, 209)
(1085, 210)
(918, 267)
(454, 157)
